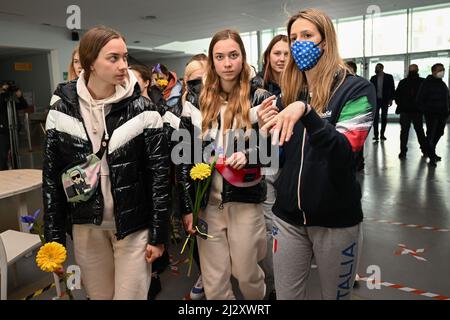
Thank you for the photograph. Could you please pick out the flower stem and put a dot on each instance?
(191, 255)
(68, 291)
(37, 226)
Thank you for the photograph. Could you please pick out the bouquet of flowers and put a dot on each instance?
(201, 173)
(162, 82)
(52, 255)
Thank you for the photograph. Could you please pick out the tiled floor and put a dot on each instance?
(405, 202)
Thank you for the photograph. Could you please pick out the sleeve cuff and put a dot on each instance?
(312, 122)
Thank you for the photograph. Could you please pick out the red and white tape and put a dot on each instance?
(413, 252)
(401, 224)
(406, 289)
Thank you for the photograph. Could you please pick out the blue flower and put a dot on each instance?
(30, 219)
(157, 69)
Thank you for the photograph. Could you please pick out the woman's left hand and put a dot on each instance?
(282, 125)
(153, 252)
(237, 160)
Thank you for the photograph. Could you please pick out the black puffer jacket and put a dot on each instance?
(230, 193)
(433, 97)
(270, 86)
(138, 162)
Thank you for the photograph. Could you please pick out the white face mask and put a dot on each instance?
(440, 74)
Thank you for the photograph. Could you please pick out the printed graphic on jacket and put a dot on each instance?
(355, 121)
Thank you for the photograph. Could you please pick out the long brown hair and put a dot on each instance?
(213, 96)
(91, 43)
(294, 82)
(72, 73)
(268, 71)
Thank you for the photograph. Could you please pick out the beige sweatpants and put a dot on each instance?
(239, 242)
(112, 269)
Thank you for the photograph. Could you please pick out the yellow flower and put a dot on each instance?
(162, 82)
(200, 171)
(51, 256)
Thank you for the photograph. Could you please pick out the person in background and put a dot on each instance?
(433, 100)
(405, 98)
(198, 57)
(75, 65)
(326, 118)
(167, 82)
(385, 88)
(8, 91)
(352, 66)
(193, 77)
(274, 62)
(144, 77)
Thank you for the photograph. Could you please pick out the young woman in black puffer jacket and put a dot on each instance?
(120, 229)
(233, 214)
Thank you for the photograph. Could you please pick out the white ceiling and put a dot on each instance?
(183, 20)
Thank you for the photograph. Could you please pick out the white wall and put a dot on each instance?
(56, 40)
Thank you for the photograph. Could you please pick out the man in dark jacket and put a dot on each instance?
(405, 97)
(7, 90)
(433, 100)
(385, 88)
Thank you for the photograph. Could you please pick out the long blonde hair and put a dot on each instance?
(294, 82)
(212, 95)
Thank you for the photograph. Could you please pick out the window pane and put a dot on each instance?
(266, 37)
(386, 33)
(281, 30)
(430, 29)
(350, 37)
(250, 41)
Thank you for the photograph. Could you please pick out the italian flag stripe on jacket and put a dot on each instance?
(355, 122)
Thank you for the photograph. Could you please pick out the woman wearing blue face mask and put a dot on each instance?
(326, 117)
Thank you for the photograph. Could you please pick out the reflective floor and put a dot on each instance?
(406, 229)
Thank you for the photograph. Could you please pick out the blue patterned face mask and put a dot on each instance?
(306, 54)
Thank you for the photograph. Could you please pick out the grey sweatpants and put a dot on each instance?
(267, 262)
(336, 252)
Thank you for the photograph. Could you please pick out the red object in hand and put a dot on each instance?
(245, 177)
